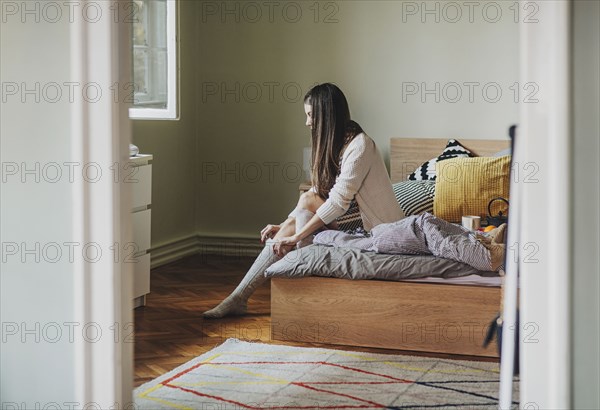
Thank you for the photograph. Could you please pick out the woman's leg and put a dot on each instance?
(307, 208)
(236, 303)
(450, 241)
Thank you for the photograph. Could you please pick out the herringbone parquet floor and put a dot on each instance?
(170, 330)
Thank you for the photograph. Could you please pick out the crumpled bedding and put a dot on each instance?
(422, 234)
(354, 263)
(411, 248)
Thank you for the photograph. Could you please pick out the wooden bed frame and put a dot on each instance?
(414, 316)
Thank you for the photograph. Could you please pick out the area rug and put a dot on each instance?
(242, 375)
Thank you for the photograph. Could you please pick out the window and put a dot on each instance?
(154, 60)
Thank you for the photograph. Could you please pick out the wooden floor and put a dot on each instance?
(170, 330)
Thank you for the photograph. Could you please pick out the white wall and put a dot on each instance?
(372, 50)
(66, 297)
(36, 296)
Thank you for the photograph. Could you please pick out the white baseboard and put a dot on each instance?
(203, 245)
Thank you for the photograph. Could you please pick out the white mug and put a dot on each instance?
(471, 222)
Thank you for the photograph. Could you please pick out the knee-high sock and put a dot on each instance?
(494, 242)
(498, 234)
(236, 303)
(303, 216)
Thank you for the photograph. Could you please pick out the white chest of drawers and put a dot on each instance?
(140, 179)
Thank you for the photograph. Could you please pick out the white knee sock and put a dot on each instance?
(236, 303)
(303, 216)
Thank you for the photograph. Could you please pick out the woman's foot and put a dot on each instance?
(497, 235)
(231, 306)
(236, 303)
(496, 251)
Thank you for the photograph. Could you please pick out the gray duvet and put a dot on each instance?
(354, 263)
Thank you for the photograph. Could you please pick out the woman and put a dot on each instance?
(346, 166)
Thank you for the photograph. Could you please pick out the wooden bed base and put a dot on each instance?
(428, 317)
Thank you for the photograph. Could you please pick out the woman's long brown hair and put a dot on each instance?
(331, 130)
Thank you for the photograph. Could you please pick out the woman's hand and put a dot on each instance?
(285, 245)
(268, 232)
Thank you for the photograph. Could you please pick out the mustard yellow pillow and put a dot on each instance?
(465, 186)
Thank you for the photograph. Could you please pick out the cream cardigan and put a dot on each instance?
(364, 177)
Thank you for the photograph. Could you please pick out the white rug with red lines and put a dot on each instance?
(242, 375)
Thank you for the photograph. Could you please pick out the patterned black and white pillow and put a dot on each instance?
(351, 220)
(426, 171)
(415, 197)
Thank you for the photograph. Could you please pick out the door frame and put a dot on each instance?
(543, 241)
(101, 54)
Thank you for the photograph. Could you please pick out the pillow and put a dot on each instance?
(351, 220)
(415, 197)
(427, 170)
(465, 186)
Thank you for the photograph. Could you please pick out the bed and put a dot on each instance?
(448, 316)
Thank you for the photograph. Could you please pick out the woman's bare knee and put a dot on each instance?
(310, 201)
